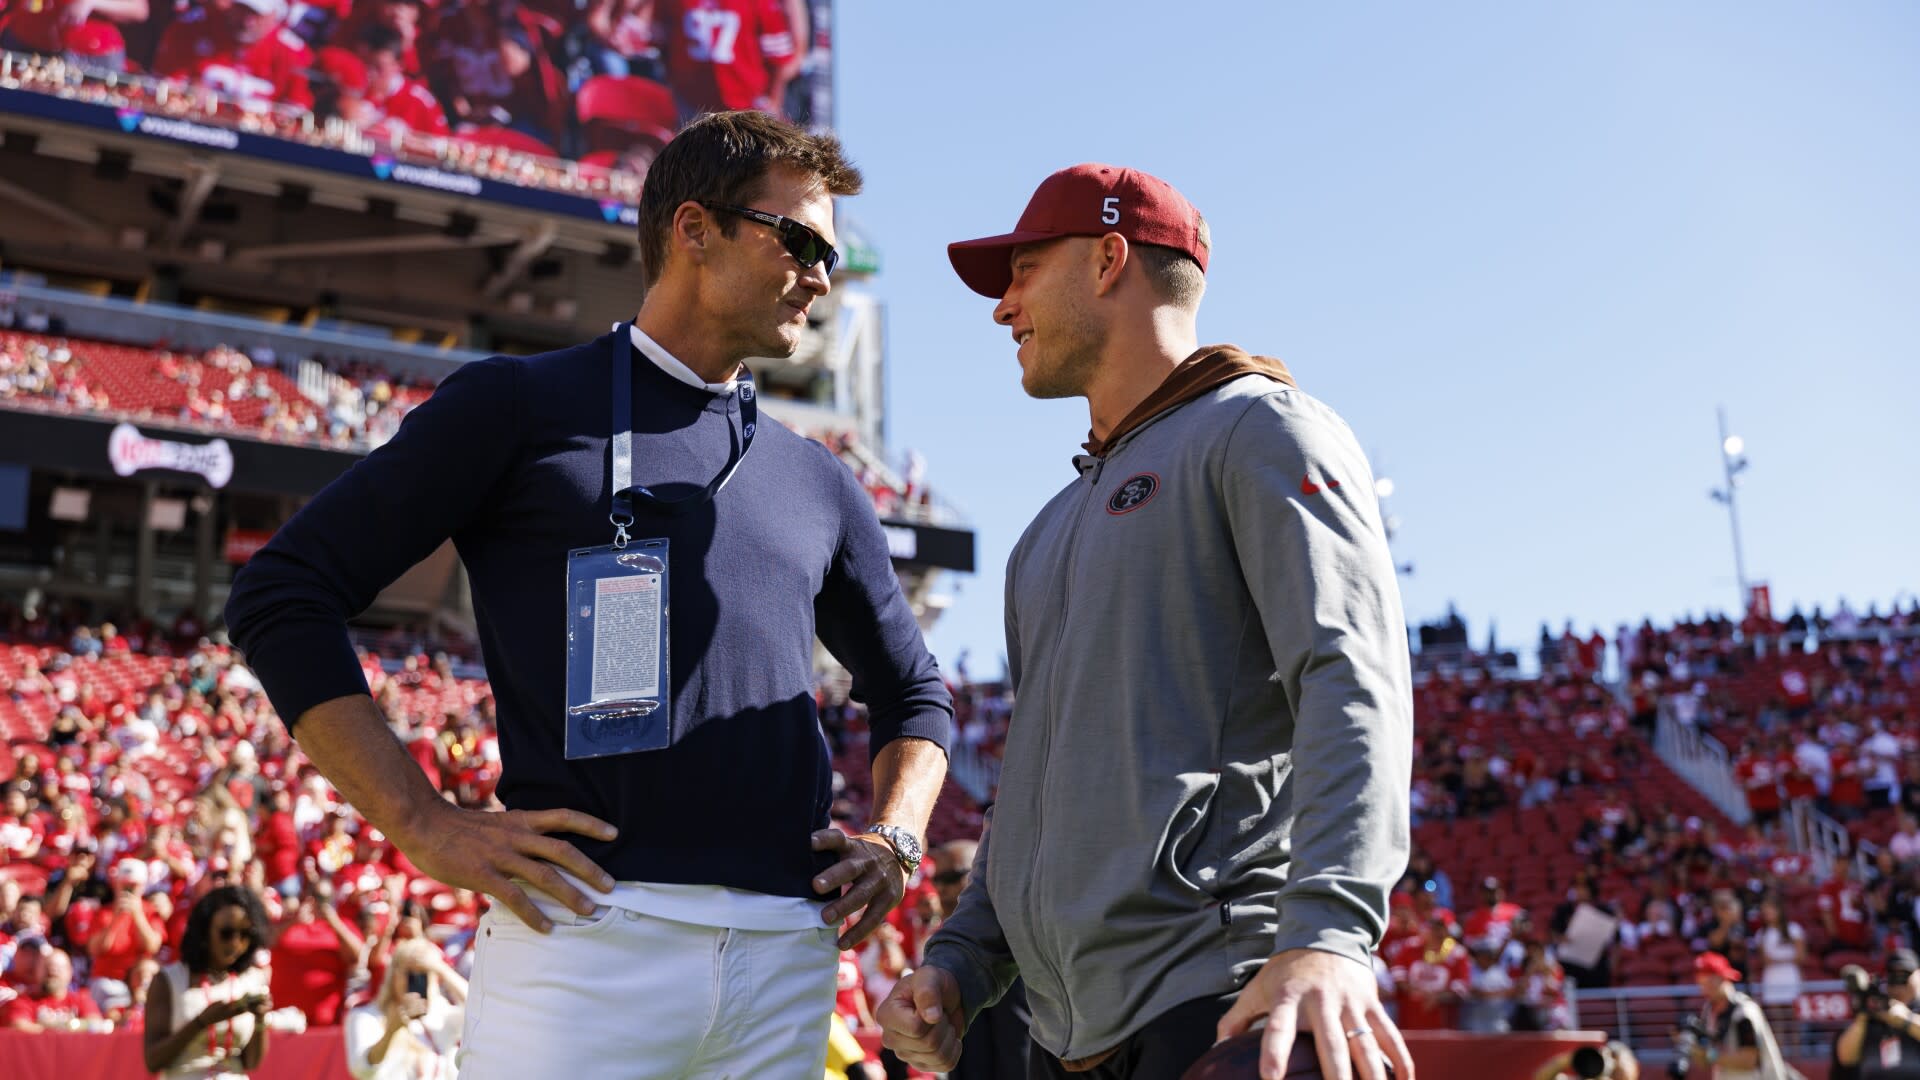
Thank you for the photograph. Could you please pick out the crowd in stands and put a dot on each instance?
(1543, 797)
(570, 95)
(1663, 875)
(1553, 849)
(357, 405)
(144, 768)
(222, 389)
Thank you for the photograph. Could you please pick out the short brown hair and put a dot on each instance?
(724, 157)
(1173, 273)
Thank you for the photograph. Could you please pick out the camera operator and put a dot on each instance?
(1729, 1039)
(1614, 1061)
(1884, 1038)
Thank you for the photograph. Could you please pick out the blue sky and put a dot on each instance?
(1524, 249)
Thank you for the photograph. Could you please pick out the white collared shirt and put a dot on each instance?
(670, 364)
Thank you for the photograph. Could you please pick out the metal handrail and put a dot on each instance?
(1702, 761)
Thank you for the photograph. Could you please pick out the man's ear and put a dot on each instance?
(1110, 256)
(693, 229)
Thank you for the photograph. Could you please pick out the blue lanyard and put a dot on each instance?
(625, 491)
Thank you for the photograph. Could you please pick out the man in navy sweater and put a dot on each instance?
(660, 912)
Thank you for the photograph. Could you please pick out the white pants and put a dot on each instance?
(628, 996)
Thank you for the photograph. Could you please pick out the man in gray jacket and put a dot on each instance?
(1204, 802)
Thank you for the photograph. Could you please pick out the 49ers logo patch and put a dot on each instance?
(1137, 492)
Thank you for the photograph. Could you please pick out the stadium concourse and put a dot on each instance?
(143, 756)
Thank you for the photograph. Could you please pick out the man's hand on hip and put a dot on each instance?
(1330, 997)
(872, 877)
(921, 1020)
(493, 851)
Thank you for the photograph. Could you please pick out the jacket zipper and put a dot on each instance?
(1092, 480)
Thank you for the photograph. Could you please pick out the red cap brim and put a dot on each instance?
(986, 264)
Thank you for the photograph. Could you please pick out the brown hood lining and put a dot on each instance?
(1197, 374)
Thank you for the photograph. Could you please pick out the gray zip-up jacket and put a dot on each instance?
(1211, 743)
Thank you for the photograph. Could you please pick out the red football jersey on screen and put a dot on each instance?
(413, 105)
(203, 50)
(721, 54)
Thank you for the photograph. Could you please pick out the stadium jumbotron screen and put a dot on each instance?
(556, 105)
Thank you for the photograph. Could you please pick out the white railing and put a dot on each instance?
(1703, 761)
(1644, 1017)
(1820, 836)
(977, 773)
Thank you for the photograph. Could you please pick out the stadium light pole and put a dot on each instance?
(1733, 462)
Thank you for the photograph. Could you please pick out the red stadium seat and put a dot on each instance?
(617, 111)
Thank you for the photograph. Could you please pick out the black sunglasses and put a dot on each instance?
(233, 933)
(806, 246)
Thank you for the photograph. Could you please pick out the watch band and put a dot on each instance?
(905, 845)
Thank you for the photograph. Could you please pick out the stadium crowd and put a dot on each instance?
(145, 768)
(223, 389)
(570, 95)
(356, 405)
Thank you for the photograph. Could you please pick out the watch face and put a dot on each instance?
(906, 848)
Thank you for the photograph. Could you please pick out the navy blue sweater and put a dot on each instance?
(510, 459)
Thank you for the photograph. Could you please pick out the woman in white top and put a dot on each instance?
(1783, 949)
(205, 1014)
(409, 1032)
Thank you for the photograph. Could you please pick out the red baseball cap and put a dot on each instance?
(1086, 200)
(1712, 963)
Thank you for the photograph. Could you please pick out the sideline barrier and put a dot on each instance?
(320, 1054)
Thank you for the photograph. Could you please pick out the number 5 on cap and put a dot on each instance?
(1110, 210)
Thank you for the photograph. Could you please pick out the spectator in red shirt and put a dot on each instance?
(402, 102)
(55, 1005)
(313, 956)
(1758, 772)
(727, 54)
(127, 932)
(239, 49)
(403, 17)
(1437, 980)
(1843, 910)
(279, 844)
(1492, 923)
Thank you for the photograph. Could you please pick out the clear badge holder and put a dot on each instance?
(619, 678)
(619, 697)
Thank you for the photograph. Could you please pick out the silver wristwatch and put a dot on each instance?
(906, 846)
